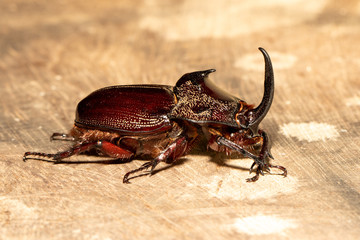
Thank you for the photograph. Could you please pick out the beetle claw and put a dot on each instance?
(252, 167)
(264, 167)
(254, 178)
(284, 173)
(259, 171)
(142, 167)
(25, 156)
(154, 163)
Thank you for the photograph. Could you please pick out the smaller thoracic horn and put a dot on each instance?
(256, 115)
(207, 72)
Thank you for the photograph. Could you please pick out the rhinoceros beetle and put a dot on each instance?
(163, 122)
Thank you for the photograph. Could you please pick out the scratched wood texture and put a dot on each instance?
(54, 53)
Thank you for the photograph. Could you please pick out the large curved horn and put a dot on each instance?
(256, 115)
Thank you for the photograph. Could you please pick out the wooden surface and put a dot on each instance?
(54, 53)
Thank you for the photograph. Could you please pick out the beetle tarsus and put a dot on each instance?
(252, 167)
(254, 178)
(266, 167)
(281, 168)
(142, 167)
(153, 165)
(262, 167)
(34, 154)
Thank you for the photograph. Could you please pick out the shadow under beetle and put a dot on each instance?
(162, 122)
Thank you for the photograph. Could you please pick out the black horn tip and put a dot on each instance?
(264, 52)
(207, 72)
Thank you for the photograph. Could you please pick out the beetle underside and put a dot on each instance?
(156, 122)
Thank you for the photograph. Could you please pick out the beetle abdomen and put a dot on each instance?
(131, 109)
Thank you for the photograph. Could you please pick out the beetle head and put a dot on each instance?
(252, 117)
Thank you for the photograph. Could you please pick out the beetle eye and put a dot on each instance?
(242, 120)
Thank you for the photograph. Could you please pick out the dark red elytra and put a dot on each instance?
(162, 123)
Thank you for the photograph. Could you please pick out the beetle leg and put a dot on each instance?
(268, 166)
(230, 144)
(258, 160)
(265, 149)
(264, 153)
(172, 152)
(62, 137)
(179, 146)
(143, 167)
(105, 147)
(113, 150)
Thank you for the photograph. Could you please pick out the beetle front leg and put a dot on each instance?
(261, 159)
(262, 165)
(258, 160)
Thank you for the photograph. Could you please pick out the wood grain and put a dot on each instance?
(52, 54)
